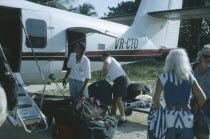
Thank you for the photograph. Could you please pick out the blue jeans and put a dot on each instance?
(179, 123)
(75, 87)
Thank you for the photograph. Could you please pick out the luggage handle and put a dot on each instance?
(103, 77)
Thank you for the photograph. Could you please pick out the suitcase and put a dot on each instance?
(61, 131)
(66, 123)
(101, 90)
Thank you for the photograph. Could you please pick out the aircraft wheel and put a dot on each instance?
(128, 112)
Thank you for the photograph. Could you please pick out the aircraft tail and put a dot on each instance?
(158, 32)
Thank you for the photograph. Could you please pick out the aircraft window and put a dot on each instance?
(37, 32)
(101, 46)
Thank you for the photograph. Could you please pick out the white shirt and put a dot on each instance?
(79, 71)
(114, 68)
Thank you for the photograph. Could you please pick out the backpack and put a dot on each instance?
(87, 109)
(102, 128)
(101, 90)
(201, 125)
(134, 90)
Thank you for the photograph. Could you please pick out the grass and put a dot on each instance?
(147, 69)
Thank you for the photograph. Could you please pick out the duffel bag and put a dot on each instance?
(102, 90)
(134, 90)
(102, 128)
(87, 109)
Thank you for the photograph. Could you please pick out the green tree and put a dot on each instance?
(60, 4)
(124, 8)
(194, 34)
(85, 9)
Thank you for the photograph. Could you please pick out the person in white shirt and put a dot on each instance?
(120, 80)
(78, 71)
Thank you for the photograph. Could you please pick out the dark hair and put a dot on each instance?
(106, 55)
(82, 46)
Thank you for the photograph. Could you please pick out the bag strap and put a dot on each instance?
(196, 101)
(101, 77)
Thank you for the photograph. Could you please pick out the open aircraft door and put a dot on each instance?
(38, 27)
(79, 34)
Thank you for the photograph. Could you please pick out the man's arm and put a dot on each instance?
(105, 66)
(87, 76)
(67, 73)
(66, 76)
(84, 85)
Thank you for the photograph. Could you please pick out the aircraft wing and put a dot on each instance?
(90, 30)
(183, 14)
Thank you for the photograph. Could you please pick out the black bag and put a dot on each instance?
(134, 90)
(201, 121)
(52, 105)
(87, 109)
(101, 90)
(101, 128)
(206, 107)
(201, 125)
(8, 82)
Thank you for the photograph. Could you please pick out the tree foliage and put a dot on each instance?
(85, 9)
(194, 34)
(124, 8)
(60, 4)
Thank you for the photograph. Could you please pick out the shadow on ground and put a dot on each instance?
(7, 131)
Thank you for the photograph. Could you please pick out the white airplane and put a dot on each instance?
(52, 34)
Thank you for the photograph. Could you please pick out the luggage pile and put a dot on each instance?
(95, 124)
(137, 97)
(84, 119)
(139, 104)
(133, 90)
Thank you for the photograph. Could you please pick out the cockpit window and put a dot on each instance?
(37, 32)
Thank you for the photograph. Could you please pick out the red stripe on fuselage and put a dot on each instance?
(113, 53)
(44, 54)
(130, 52)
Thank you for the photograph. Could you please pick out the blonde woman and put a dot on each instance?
(178, 84)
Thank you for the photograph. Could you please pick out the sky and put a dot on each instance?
(101, 6)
